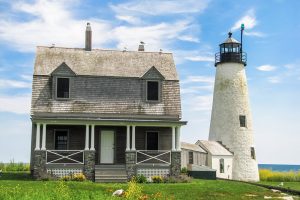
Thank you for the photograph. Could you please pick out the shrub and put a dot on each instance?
(134, 190)
(177, 179)
(269, 175)
(66, 178)
(78, 177)
(184, 170)
(157, 179)
(141, 179)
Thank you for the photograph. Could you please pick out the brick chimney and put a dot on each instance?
(141, 46)
(88, 37)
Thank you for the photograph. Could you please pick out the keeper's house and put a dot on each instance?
(109, 114)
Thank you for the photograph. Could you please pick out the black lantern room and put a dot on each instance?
(231, 51)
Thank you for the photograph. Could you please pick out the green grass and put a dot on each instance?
(269, 175)
(12, 166)
(21, 186)
(290, 185)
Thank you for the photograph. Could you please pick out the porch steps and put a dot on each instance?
(110, 173)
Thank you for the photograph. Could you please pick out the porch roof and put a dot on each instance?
(109, 122)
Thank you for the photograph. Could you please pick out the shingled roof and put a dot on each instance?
(214, 148)
(104, 62)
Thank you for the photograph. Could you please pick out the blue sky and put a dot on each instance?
(192, 30)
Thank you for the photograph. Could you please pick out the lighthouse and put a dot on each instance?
(231, 120)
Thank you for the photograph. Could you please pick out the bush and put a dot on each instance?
(184, 170)
(269, 175)
(141, 179)
(74, 177)
(178, 179)
(157, 179)
(78, 177)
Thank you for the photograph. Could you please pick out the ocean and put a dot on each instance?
(279, 167)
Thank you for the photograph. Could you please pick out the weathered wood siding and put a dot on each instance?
(199, 158)
(104, 95)
(164, 137)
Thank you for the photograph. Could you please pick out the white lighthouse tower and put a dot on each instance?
(231, 120)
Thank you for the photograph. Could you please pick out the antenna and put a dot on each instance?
(242, 30)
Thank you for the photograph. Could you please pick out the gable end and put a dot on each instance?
(63, 70)
(153, 73)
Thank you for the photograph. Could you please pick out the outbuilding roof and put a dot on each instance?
(193, 147)
(98, 62)
(214, 148)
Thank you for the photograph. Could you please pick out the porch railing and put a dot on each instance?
(153, 157)
(64, 157)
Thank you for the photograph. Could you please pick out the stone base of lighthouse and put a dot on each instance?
(230, 102)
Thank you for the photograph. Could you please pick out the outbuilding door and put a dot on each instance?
(107, 147)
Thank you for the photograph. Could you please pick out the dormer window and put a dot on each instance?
(152, 90)
(63, 88)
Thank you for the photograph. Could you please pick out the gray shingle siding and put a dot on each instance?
(105, 95)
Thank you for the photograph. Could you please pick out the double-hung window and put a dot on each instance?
(63, 88)
(152, 90)
(61, 140)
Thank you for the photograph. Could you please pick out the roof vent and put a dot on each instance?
(141, 46)
(88, 37)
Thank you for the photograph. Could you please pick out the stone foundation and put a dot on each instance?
(175, 163)
(89, 165)
(39, 164)
(130, 159)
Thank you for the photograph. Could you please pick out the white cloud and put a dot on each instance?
(254, 33)
(158, 7)
(266, 68)
(201, 58)
(199, 79)
(51, 22)
(196, 89)
(189, 38)
(155, 36)
(26, 77)
(274, 79)
(249, 20)
(198, 103)
(15, 104)
(129, 19)
(5, 83)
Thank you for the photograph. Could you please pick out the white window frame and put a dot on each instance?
(159, 91)
(60, 98)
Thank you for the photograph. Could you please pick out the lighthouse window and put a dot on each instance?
(253, 153)
(243, 122)
(221, 165)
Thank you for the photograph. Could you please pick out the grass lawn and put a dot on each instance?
(290, 185)
(20, 186)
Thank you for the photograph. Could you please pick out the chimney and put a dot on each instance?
(88, 37)
(141, 46)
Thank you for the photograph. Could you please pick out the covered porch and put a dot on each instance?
(72, 147)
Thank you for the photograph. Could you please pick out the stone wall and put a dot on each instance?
(130, 163)
(89, 165)
(39, 164)
(175, 163)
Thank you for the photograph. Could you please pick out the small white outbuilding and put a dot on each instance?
(218, 158)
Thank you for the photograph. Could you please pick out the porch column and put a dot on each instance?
(133, 139)
(178, 144)
(37, 137)
(87, 137)
(44, 137)
(128, 139)
(93, 137)
(173, 138)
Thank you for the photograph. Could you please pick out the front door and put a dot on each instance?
(107, 147)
